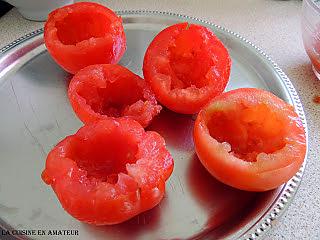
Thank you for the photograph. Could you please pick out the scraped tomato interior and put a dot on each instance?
(107, 90)
(107, 100)
(189, 60)
(82, 25)
(105, 155)
(249, 130)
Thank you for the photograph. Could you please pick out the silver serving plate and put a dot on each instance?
(36, 114)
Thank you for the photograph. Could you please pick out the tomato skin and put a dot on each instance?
(268, 171)
(100, 91)
(186, 66)
(78, 35)
(78, 166)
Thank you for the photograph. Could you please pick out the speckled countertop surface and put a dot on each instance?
(275, 27)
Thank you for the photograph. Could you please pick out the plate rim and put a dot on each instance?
(289, 189)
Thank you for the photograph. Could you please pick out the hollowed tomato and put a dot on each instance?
(106, 90)
(109, 171)
(186, 66)
(250, 139)
(83, 34)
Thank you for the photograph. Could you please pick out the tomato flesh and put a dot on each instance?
(250, 139)
(76, 28)
(248, 131)
(189, 61)
(105, 90)
(186, 66)
(109, 171)
(83, 34)
(104, 157)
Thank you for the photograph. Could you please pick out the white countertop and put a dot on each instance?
(275, 27)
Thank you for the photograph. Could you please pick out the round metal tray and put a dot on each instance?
(35, 115)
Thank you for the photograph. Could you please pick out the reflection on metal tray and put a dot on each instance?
(35, 115)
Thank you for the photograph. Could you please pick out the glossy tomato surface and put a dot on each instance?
(250, 139)
(109, 171)
(186, 66)
(106, 90)
(82, 34)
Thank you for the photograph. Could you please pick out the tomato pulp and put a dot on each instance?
(105, 90)
(186, 66)
(250, 139)
(83, 34)
(109, 171)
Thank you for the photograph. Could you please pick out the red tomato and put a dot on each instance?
(186, 66)
(105, 90)
(250, 139)
(109, 171)
(82, 34)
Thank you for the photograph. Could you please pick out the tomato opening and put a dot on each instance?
(189, 60)
(79, 26)
(107, 100)
(107, 90)
(106, 154)
(246, 131)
